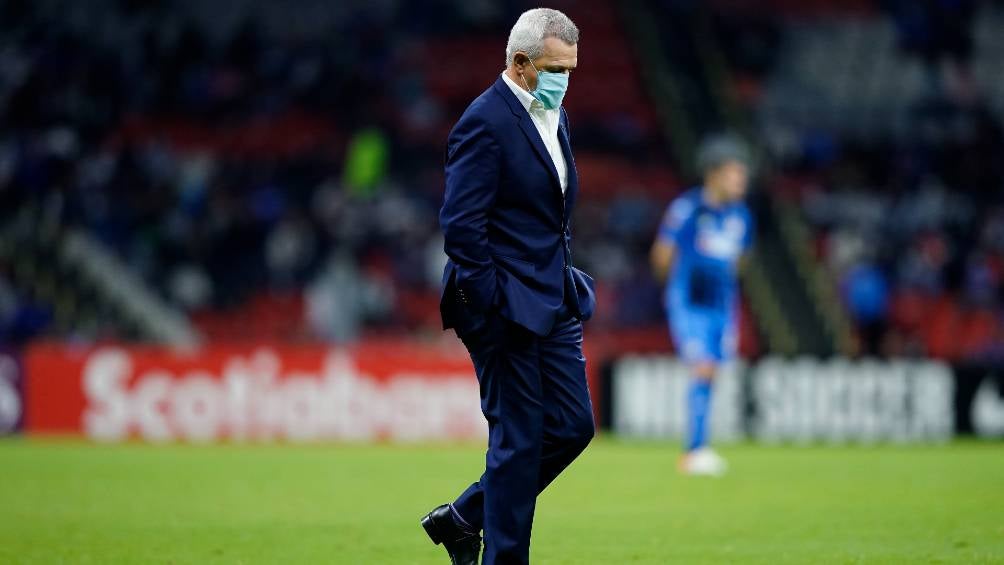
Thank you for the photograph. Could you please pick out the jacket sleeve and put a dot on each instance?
(472, 178)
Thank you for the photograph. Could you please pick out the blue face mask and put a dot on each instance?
(551, 88)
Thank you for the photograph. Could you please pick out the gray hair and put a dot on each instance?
(716, 150)
(536, 25)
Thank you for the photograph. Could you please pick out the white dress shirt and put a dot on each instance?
(546, 122)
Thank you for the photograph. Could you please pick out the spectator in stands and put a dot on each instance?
(866, 295)
(939, 31)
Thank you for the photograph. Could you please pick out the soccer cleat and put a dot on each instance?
(703, 462)
(463, 547)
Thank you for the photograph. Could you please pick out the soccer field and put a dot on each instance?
(68, 502)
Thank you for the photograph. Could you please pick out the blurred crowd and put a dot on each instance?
(911, 227)
(913, 233)
(226, 158)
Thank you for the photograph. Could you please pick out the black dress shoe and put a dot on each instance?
(463, 546)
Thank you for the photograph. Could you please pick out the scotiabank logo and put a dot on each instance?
(255, 396)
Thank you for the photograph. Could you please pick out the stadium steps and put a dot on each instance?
(791, 290)
(43, 279)
(766, 309)
(796, 235)
(121, 286)
(667, 89)
(89, 292)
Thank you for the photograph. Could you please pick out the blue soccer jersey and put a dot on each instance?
(702, 287)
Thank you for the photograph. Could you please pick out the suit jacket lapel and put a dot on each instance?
(573, 177)
(533, 136)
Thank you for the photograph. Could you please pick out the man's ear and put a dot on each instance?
(520, 59)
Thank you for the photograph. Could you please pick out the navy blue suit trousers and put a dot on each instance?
(540, 418)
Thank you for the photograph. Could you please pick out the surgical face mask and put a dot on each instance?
(550, 89)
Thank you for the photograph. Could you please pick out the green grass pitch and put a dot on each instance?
(70, 502)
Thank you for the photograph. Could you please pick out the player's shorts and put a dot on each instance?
(702, 335)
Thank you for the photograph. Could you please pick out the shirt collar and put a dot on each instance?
(524, 97)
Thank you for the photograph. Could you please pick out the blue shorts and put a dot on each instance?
(702, 335)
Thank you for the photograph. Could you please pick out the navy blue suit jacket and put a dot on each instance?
(505, 220)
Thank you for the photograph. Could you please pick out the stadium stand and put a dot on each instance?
(282, 182)
(883, 128)
(254, 175)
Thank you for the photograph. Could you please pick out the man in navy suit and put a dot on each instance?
(511, 293)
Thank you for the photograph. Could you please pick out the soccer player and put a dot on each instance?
(704, 233)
